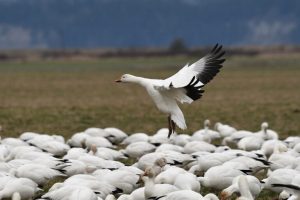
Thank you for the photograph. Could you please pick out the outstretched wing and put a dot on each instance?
(191, 78)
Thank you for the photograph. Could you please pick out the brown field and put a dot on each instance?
(64, 97)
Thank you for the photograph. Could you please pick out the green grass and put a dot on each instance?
(64, 97)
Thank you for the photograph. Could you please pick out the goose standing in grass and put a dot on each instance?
(185, 86)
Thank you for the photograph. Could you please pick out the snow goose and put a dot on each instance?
(205, 134)
(187, 181)
(224, 129)
(49, 145)
(160, 137)
(104, 188)
(78, 167)
(281, 158)
(106, 153)
(168, 176)
(243, 185)
(195, 146)
(244, 162)
(115, 135)
(180, 139)
(100, 163)
(219, 177)
(291, 141)
(268, 146)
(188, 195)
(204, 162)
(138, 149)
(282, 176)
(152, 190)
(138, 194)
(293, 188)
(98, 142)
(75, 153)
(250, 143)
(135, 137)
(4, 152)
(254, 187)
(21, 187)
(36, 172)
(185, 86)
(73, 192)
(124, 180)
(266, 133)
(13, 142)
(235, 137)
(169, 147)
(78, 140)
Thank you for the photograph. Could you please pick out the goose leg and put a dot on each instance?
(173, 126)
(170, 126)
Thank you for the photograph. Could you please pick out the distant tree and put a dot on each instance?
(178, 46)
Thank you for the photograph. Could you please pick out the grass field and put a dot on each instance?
(64, 97)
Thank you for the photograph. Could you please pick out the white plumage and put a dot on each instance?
(185, 86)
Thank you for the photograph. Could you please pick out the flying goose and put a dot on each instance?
(185, 86)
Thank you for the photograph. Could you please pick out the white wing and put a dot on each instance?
(186, 84)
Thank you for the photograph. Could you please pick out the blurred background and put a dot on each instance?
(59, 58)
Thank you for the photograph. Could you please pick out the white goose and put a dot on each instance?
(185, 86)
(19, 187)
(205, 134)
(254, 187)
(152, 190)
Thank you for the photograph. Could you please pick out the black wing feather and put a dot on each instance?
(192, 91)
(295, 187)
(213, 64)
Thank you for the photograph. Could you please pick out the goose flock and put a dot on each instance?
(108, 164)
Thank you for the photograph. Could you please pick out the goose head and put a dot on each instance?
(206, 123)
(264, 126)
(149, 172)
(161, 162)
(126, 78)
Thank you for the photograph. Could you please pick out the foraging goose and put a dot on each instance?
(152, 190)
(185, 86)
(124, 180)
(115, 135)
(135, 137)
(73, 192)
(236, 137)
(36, 172)
(282, 176)
(254, 187)
(219, 177)
(138, 149)
(188, 195)
(187, 181)
(19, 187)
(293, 188)
(243, 185)
(224, 129)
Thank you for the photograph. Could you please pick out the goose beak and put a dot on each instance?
(118, 81)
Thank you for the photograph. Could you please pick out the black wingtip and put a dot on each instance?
(193, 91)
(294, 187)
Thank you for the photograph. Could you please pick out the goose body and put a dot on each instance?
(254, 187)
(184, 87)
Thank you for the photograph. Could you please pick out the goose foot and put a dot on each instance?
(171, 125)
